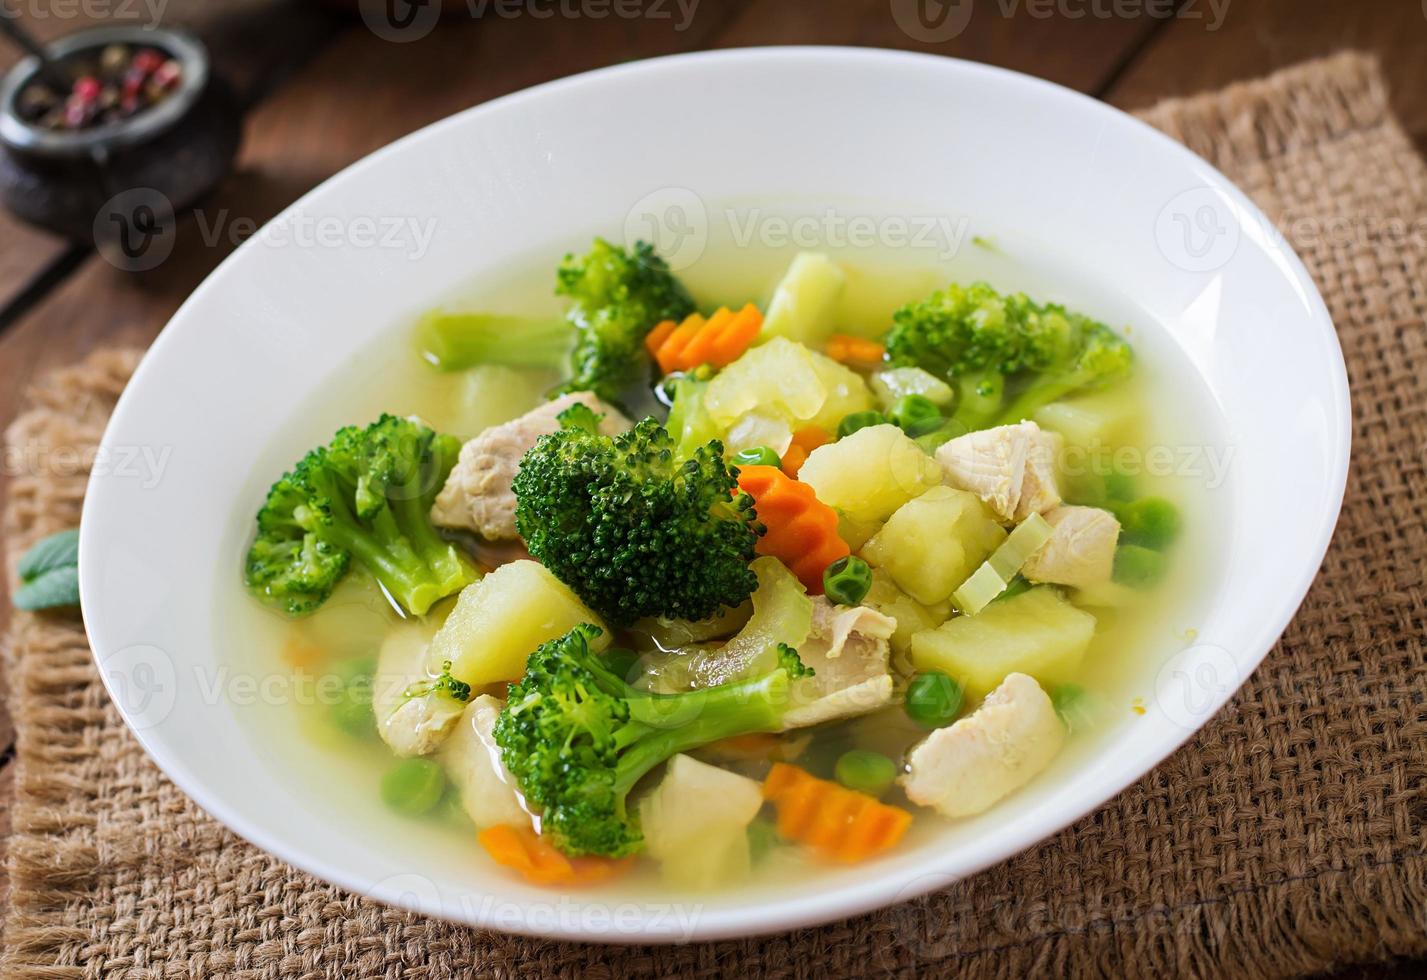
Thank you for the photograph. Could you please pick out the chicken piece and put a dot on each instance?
(1081, 549)
(964, 769)
(848, 651)
(411, 726)
(1011, 467)
(477, 494)
(472, 762)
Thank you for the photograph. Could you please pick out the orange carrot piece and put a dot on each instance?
(805, 440)
(719, 341)
(522, 849)
(854, 351)
(837, 822)
(670, 353)
(737, 336)
(302, 653)
(802, 530)
(656, 337)
(700, 347)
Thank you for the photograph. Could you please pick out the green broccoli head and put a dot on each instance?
(617, 297)
(633, 531)
(789, 660)
(444, 684)
(577, 738)
(1003, 353)
(364, 496)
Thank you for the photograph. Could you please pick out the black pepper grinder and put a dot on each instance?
(110, 126)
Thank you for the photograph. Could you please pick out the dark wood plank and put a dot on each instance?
(1260, 37)
(1080, 52)
(239, 35)
(336, 111)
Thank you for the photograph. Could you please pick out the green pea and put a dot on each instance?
(352, 710)
(867, 772)
(916, 415)
(1137, 567)
(762, 838)
(847, 580)
(1119, 486)
(413, 786)
(933, 699)
(1151, 522)
(858, 420)
(757, 456)
(353, 714)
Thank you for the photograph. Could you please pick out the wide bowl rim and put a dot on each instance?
(875, 892)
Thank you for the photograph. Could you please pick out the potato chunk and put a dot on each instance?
(932, 543)
(1036, 633)
(499, 621)
(783, 386)
(870, 473)
(695, 823)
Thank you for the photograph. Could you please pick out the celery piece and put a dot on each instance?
(894, 384)
(1005, 563)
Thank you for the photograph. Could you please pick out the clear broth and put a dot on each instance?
(1129, 647)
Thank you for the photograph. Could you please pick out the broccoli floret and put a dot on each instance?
(631, 529)
(443, 684)
(617, 296)
(577, 737)
(1005, 355)
(789, 660)
(364, 496)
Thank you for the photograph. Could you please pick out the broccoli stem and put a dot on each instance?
(674, 723)
(401, 550)
(1041, 392)
(456, 341)
(979, 399)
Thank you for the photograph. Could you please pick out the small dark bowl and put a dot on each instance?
(180, 148)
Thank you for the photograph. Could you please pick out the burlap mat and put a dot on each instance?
(1286, 838)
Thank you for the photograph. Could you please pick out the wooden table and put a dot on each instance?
(325, 90)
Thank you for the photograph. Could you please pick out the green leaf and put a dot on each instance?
(48, 590)
(55, 551)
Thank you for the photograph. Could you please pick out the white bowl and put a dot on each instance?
(1138, 217)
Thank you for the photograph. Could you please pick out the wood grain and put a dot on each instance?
(1261, 36)
(1078, 52)
(239, 34)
